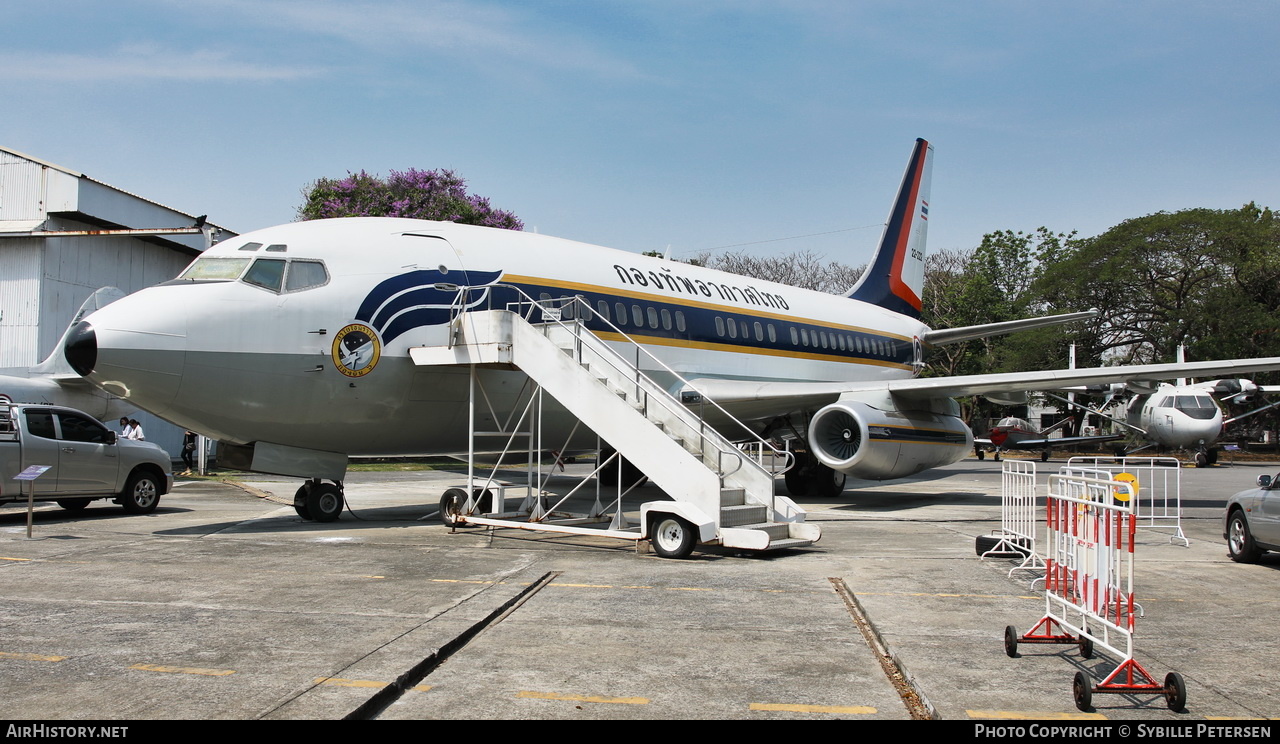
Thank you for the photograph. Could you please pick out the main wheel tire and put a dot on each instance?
(1202, 459)
(74, 505)
(1175, 692)
(324, 502)
(672, 537)
(1044, 456)
(300, 501)
(1082, 691)
(141, 493)
(796, 483)
(980, 454)
(825, 483)
(1240, 544)
(1010, 642)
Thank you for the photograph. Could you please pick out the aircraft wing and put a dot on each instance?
(749, 398)
(1061, 441)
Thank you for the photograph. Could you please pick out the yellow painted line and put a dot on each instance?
(183, 670)
(18, 560)
(30, 657)
(857, 710)
(361, 683)
(464, 581)
(582, 698)
(1035, 715)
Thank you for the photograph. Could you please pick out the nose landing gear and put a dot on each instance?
(319, 502)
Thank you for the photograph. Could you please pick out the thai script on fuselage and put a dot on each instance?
(669, 281)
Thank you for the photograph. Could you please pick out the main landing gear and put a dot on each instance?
(809, 477)
(316, 501)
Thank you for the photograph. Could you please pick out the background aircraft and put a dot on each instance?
(1183, 416)
(293, 346)
(54, 382)
(1012, 433)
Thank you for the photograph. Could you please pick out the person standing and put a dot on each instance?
(188, 451)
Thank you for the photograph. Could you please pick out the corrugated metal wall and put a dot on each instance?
(43, 281)
(20, 273)
(21, 188)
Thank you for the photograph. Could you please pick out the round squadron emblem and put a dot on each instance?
(356, 350)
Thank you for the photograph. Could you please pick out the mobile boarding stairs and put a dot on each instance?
(721, 493)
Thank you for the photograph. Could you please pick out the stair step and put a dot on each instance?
(747, 515)
(788, 542)
(733, 496)
(775, 530)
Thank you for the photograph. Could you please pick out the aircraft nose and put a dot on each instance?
(81, 349)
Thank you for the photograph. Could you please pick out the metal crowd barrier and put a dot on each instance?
(1089, 598)
(1157, 484)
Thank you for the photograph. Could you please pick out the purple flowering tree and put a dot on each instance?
(425, 195)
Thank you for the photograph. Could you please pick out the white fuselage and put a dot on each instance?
(1178, 416)
(310, 348)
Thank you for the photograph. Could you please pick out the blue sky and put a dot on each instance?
(656, 123)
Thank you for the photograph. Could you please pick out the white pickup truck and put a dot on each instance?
(86, 460)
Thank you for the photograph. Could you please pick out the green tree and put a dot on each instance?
(1202, 278)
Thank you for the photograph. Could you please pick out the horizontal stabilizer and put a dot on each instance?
(945, 336)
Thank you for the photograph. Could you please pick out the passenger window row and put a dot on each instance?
(644, 316)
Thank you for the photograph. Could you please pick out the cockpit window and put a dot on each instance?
(267, 273)
(1197, 406)
(215, 269)
(305, 275)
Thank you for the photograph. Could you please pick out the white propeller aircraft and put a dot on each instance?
(53, 382)
(1183, 416)
(291, 345)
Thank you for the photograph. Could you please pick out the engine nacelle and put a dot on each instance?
(866, 442)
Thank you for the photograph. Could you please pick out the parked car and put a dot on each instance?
(85, 460)
(1251, 524)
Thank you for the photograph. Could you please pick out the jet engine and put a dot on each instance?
(866, 442)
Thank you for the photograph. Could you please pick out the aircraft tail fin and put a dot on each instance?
(55, 365)
(895, 278)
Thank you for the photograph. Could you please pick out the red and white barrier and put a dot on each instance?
(1089, 597)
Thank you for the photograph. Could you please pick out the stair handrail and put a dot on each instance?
(666, 398)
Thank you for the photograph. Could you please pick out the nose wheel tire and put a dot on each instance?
(672, 537)
(322, 502)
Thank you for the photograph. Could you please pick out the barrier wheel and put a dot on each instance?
(1082, 690)
(1175, 692)
(1086, 647)
(1010, 642)
(1013, 547)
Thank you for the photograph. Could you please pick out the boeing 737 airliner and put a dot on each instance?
(296, 340)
